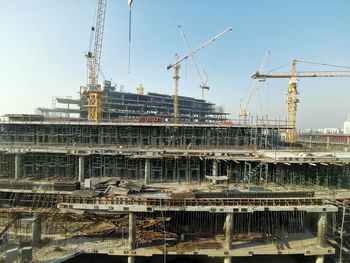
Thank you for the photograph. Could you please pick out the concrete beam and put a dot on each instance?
(211, 209)
(218, 253)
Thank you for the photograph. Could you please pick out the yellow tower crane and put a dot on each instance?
(292, 92)
(93, 90)
(176, 67)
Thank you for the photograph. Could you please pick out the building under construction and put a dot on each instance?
(164, 178)
(139, 187)
(137, 107)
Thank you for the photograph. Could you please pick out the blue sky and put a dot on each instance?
(43, 44)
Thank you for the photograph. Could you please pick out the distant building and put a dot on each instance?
(321, 131)
(330, 131)
(347, 127)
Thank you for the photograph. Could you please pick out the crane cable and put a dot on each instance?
(189, 49)
(322, 64)
(105, 76)
(308, 62)
(282, 66)
(129, 61)
(254, 87)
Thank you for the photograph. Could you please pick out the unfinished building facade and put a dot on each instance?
(140, 107)
(138, 188)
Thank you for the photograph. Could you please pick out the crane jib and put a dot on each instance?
(199, 48)
(304, 74)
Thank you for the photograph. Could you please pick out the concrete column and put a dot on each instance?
(228, 234)
(321, 229)
(175, 171)
(187, 172)
(310, 141)
(229, 230)
(319, 259)
(147, 171)
(132, 235)
(18, 166)
(327, 142)
(215, 169)
(229, 172)
(36, 230)
(81, 171)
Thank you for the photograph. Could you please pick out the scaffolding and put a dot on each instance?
(36, 153)
(140, 135)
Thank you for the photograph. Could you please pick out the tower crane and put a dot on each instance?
(292, 98)
(243, 108)
(93, 91)
(176, 67)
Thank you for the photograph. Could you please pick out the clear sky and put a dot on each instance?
(43, 44)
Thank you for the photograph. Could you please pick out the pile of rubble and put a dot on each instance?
(113, 186)
(148, 229)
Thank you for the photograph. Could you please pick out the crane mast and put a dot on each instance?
(176, 90)
(93, 91)
(292, 92)
(176, 67)
(292, 103)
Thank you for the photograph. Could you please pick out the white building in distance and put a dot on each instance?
(347, 127)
